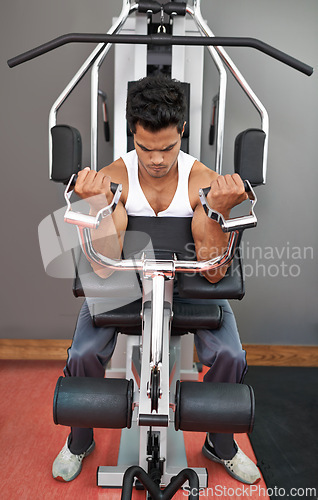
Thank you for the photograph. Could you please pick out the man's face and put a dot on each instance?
(157, 151)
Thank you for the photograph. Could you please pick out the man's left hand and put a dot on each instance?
(226, 192)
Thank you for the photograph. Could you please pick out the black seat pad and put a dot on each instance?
(187, 317)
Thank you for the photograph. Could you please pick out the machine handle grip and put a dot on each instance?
(237, 223)
(113, 185)
(247, 187)
(89, 221)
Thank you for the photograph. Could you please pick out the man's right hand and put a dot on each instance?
(94, 187)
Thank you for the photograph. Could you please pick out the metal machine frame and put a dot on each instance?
(219, 57)
(154, 398)
(215, 46)
(221, 60)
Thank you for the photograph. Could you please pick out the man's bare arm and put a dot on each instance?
(107, 239)
(210, 241)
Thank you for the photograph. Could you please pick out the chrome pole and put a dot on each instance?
(73, 83)
(158, 292)
(197, 17)
(127, 9)
(239, 78)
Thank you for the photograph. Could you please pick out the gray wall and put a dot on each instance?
(279, 307)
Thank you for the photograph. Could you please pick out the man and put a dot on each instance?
(159, 180)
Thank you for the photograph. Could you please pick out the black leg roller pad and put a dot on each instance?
(93, 402)
(214, 407)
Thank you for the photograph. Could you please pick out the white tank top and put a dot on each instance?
(137, 203)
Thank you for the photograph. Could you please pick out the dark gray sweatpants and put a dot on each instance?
(220, 350)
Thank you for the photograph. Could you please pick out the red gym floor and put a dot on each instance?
(29, 442)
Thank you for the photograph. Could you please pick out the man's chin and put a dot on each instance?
(157, 172)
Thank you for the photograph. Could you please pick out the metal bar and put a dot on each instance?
(240, 80)
(158, 290)
(204, 29)
(77, 78)
(84, 220)
(162, 39)
(234, 224)
(168, 268)
(144, 400)
(138, 264)
(66, 92)
(127, 9)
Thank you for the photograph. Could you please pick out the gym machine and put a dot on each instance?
(161, 403)
(151, 405)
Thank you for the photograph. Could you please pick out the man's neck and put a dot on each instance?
(158, 183)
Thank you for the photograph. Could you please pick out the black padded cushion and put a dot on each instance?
(190, 317)
(119, 284)
(127, 315)
(230, 287)
(164, 234)
(66, 152)
(248, 155)
(186, 318)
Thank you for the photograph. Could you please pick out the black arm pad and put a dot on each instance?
(230, 287)
(88, 284)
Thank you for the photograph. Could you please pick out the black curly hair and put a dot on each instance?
(155, 102)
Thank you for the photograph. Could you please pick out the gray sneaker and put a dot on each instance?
(67, 466)
(240, 466)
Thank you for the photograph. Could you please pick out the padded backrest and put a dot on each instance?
(230, 287)
(249, 154)
(66, 152)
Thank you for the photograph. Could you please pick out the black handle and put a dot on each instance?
(211, 135)
(207, 189)
(149, 6)
(162, 39)
(113, 185)
(106, 131)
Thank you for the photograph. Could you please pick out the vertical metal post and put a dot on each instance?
(187, 66)
(204, 29)
(130, 65)
(126, 10)
(80, 74)
(158, 291)
(239, 78)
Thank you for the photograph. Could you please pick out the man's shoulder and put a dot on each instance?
(200, 177)
(116, 171)
(201, 172)
(118, 174)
